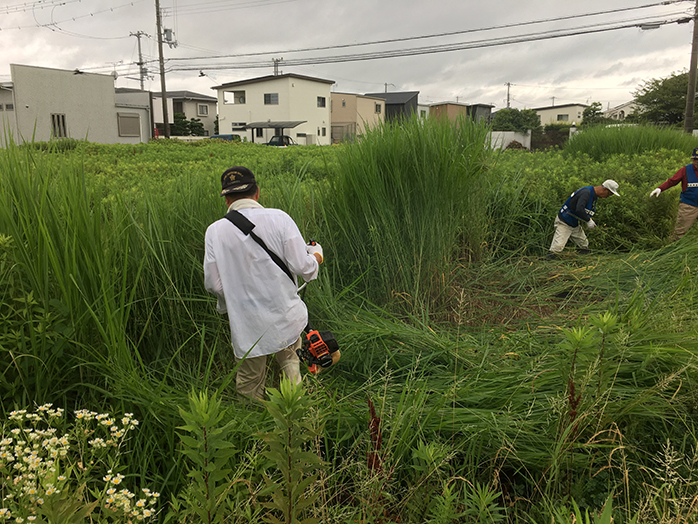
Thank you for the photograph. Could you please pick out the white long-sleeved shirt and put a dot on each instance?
(265, 312)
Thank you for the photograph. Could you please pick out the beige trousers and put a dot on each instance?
(563, 233)
(252, 372)
(684, 220)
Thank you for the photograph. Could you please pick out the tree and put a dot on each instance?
(662, 101)
(180, 127)
(196, 128)
(511, 119)
(593, 115)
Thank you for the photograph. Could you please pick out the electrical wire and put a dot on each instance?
(477, 44)
(439, 35)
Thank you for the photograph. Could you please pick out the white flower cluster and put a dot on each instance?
(33, 455)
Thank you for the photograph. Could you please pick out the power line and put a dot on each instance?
(434, 35)
(209, 7)
(443, 48)
(54, 25)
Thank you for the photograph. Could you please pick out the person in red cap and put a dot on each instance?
(579, 208)
(256, 283)
(688, 200)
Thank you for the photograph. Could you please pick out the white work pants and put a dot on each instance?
(563, 233)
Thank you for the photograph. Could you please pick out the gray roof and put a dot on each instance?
(271, 77)
(269, 124)
(396, 97)
(559, 107)
(187, 95)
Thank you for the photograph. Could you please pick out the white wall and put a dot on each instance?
(86, 100)
(501, 139)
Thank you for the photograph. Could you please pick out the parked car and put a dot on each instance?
(281, 141)
(230, 138)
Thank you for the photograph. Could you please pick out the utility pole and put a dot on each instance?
(508, 84)
(140, 63)
(276, 65)
(691, 94)
(553, 98)
(165, 116)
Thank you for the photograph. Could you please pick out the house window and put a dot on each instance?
(271, 99)
(0, 107)
(321, 101)
(378, 108)
(129, 124)
(178, 107)
(9, 107)
(202, 110)
(344, 103)
(259, 132)
(423, 113)
(233, 97)
(324, 131)
(563, 118)
(58, 126)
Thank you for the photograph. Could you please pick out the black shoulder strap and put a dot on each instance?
(246, 227)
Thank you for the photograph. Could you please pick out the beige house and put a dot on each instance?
(287, 104)
(42, 103)
(564, 114)
(352, 115)
(188, 103)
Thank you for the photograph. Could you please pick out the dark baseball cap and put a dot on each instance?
(237, 180)
(695, 153)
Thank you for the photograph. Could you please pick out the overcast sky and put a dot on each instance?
(601, 60)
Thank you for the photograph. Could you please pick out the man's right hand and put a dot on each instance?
(591, 224)
(655, 193)
(315, 249)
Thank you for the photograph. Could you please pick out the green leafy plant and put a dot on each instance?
(296, 467)
(481, 504)
(207, 446)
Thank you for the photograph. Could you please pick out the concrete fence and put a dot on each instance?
(501, 139)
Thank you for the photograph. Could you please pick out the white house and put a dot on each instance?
(285, 104)
(622, 111)
(563, 114)
(41, 103)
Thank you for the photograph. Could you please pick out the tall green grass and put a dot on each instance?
(407, 206)
(601, 142)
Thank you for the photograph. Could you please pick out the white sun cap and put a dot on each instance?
(612, 186)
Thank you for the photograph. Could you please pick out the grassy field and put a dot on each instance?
(479, 382)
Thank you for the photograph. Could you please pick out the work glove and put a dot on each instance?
(655, 193)
(315, 248)
(591, 224)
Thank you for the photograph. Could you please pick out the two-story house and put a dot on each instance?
(285, 104)
(399, 104)
(622, 111)
(188, 103)
(352, 115)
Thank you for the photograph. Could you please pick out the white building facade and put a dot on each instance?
(55, 103)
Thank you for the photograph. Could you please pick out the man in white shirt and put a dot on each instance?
(266, 314)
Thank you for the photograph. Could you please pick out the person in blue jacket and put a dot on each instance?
(579, 207)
